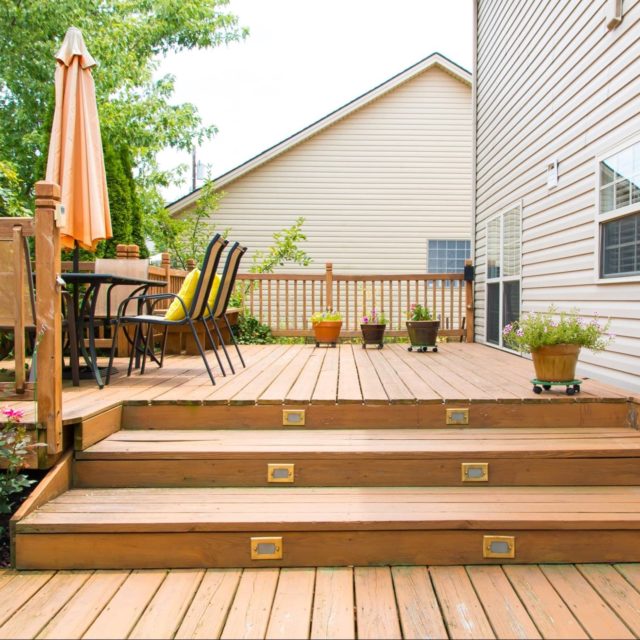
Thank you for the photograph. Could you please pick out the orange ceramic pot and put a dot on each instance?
(556, 363)
(327, 332)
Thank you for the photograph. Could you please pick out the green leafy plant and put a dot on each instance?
(535, 330)
(284, 250)
(250, 330)
(14, 447)
(187, 236)
(373, 317)
(418, 313)
(326, 316)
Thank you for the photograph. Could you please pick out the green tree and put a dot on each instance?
(187, 236)
(119, 201)
(127, 38)
(10, 203)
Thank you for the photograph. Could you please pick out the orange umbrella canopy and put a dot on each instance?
(75, 160)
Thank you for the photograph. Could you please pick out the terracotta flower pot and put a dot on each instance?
(556, 363)
(373, 334)
(423, 333)
(327, 332)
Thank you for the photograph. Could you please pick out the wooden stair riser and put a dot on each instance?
(316, 548)
(559, 413)
(341, 471)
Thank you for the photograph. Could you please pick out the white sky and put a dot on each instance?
(302, 60)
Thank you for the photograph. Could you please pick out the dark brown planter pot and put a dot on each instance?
(556, 363)
(327, 332)
(423, 333)
(373, 334)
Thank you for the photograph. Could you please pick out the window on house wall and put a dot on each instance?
(504, 250)
(619, 213)
(447, 256)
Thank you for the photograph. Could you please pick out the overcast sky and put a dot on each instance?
(302, 60)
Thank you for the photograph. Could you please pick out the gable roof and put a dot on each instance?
(433, 60)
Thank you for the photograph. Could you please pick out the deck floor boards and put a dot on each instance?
(348, 374)
(408, 602)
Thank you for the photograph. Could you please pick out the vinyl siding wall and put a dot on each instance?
(553, 82)
(373, 187)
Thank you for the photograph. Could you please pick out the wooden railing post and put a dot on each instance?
(328, 283)
(18, 331)
(48, 316)
(191, 264)
(121, 251)
(468, 297)
(133, 252)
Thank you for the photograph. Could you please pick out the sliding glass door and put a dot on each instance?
(504, 242)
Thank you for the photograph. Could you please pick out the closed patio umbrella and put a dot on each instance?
(75, 159)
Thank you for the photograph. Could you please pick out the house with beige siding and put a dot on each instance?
(384, 182)
(556, 187)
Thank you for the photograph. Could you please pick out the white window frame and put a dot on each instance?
(500, 279)
(601, 218)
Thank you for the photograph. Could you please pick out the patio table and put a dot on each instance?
(84, 303)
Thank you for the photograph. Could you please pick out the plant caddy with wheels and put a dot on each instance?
(422, 329)
(554, 341)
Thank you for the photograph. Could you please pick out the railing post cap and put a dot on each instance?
(46, 189)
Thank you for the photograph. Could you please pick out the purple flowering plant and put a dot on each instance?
(535, 330)
(374, 317)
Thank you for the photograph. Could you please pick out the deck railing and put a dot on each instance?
(285, 301)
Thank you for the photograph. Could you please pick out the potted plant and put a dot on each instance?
(373, 325)
(326, 327)
(422, 328)
(554, 341)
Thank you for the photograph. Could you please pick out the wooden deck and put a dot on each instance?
(390, 387)
(535, 601)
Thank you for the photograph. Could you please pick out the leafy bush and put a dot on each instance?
(418, 313)
(535, 330)
(14, 447)
(250, 330)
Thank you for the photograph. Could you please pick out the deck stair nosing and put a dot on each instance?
(220, 443)
(345, 508)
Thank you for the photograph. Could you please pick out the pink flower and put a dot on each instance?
(365, 320)
(14, 414)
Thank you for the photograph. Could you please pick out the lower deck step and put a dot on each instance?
(137, 528)
(362, 457)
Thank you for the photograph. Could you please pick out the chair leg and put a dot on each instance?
(201, 350)
(224, 348)
(233, 339)
(145, 349)
(213, 346)
(134, 347)
(164, 344)
(112, 353)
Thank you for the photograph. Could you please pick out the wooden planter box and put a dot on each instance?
(180, 339)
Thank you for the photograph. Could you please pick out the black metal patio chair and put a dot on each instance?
(219, 309)
(197, 312)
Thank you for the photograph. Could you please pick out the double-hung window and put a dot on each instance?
(504, 242)
(618, 217)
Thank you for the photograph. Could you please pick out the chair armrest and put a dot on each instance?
(155, 298)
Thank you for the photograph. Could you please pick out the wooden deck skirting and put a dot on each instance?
(535, 601)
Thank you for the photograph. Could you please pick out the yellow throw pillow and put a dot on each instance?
(214, 290)
(187, 291)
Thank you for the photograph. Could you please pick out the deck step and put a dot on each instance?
(362, 457)
(137, 528)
